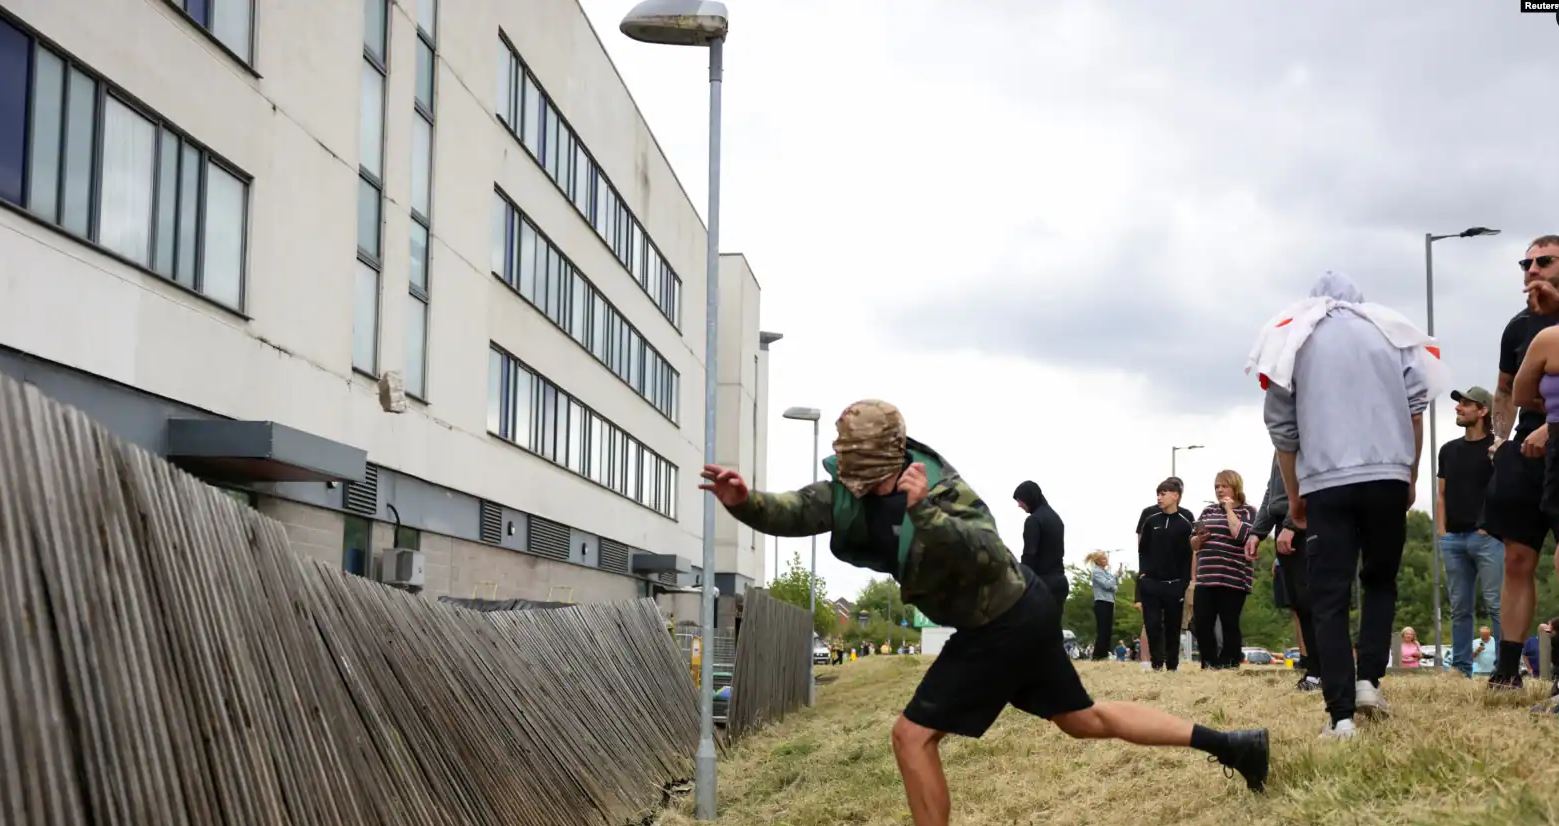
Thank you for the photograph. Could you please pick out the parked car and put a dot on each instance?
(820, 652)
(1291, 657)
(1257, 656)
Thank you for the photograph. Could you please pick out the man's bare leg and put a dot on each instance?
(1518, 599)
(915, 749)
(1143, 725)
(1243, 751)
(1299, 634)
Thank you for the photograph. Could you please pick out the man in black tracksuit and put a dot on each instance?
(1044, 540)
(1273, 516)
(1164, 572)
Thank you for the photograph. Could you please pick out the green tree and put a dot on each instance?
(793, 587)
(885, 610)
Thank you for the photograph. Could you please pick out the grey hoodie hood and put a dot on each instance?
(1338, 286)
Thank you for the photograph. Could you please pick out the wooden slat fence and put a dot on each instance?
(166, 658)
(773, 663)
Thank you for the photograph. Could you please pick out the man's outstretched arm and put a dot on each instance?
(805, 512)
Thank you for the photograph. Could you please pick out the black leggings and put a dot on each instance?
(1218, 606)
(1104, 620)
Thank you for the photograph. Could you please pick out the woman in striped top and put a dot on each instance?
(1222, 572)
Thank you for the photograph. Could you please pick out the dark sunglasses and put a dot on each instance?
(1542, 261)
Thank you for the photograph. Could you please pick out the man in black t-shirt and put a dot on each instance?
(1511, 510)
(1472, 557)
(1164, 572)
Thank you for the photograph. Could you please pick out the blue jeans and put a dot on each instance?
(1469, 558)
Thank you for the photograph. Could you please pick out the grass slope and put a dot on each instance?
(1449, 754)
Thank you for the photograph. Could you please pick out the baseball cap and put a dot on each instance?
(1476, 395)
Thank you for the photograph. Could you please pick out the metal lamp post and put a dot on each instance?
(700, 23)
(1173, 453)
(813, 415)
(1434, 442)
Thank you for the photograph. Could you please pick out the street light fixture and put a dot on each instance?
(813, 415)
(1172, 456)
(1434, 442)
(700, 23)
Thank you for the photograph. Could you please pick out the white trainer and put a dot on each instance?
(1340, 730)
(1368, 701)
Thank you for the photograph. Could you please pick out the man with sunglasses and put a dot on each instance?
(1512, 511)
(895, 506)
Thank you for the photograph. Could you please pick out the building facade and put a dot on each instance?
(399, 273)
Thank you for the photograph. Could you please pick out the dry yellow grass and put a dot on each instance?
(1449, 754)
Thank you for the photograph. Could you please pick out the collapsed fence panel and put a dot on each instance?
(773, 662)
(166, 658)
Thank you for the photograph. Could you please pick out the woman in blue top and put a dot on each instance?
(1104, 586)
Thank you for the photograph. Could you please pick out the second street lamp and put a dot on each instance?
(813, 415)
(1174, 451)
(1434, 444)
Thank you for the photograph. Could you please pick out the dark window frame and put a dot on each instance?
(254, 17)
(103, 88)
(611, 432)
(375, 259)
(617, 226)
(512, 239)
(424, 294)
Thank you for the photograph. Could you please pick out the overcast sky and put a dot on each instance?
(1049, 232)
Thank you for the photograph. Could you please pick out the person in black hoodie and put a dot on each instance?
(1044, 542)
(1164, 572)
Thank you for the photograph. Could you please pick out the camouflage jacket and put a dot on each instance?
(958, 571)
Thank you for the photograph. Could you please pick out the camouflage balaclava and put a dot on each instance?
(870, 446)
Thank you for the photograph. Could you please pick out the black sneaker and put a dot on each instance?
(1308, 683)
(1248, 754)
(1504, 683)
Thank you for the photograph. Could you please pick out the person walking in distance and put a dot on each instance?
(1347, 383)
(1164, 572)
(894, 505)
(1513, 510)
(1044, 540)
(1223, 571)
(1104, 587)
(1272, 517)
(1473, 559)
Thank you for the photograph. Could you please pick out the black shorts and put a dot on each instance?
(1513, 510)
(1016, 658)
(1280, 590)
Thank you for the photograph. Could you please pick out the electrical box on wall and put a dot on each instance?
(404, 568)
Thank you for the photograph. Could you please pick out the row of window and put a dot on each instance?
(418, 291)
(533, 118)
(526, 409)
(375, 70)
(538, 271)
(81, 154)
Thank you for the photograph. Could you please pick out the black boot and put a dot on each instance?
(1246, 752)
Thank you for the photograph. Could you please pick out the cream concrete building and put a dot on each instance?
(231, 230)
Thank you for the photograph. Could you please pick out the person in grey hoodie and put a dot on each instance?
(1348, 433)
(1272, 517)
(1104, 587)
